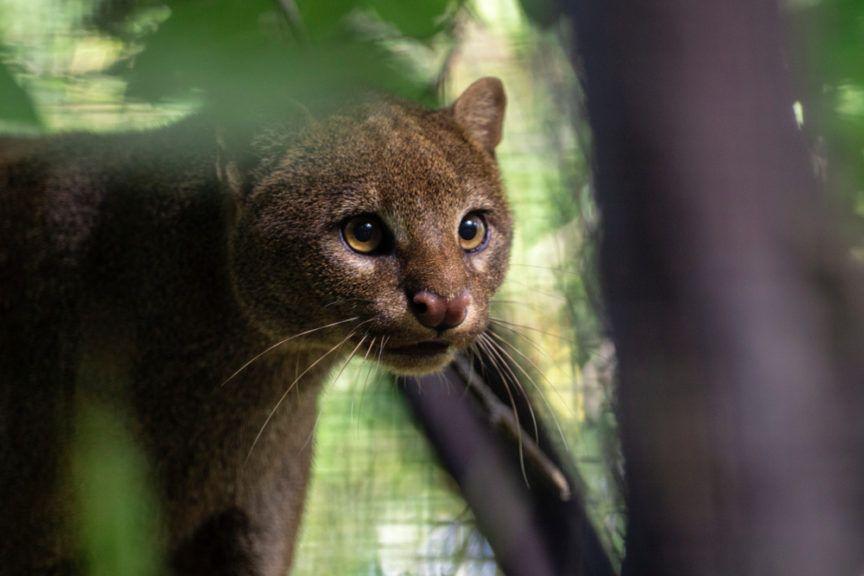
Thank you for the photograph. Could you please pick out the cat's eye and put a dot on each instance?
(473, 232)
(363, 234)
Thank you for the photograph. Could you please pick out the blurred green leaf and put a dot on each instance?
(419, 20)
(242, 53)
(834, 65)
(543, 13)
(116, 509)
(16, 105)
(323, 19)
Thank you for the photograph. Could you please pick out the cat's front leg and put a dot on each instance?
(223, 545)
(257, 535)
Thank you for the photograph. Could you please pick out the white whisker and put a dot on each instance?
(281, 342)
(525, 337)
(351, 410)
(288, 390)
(537, 387)
(484, 346)
(338, 375)
(497, 350)
(514, 324)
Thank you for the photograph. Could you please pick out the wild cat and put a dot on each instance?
(214, 286)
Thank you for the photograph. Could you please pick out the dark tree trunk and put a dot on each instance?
(735, 314)
(535, 529)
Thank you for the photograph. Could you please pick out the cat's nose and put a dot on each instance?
(433, 311)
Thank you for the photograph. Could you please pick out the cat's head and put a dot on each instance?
(386, 224)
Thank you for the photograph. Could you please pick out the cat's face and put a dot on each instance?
(389, 224)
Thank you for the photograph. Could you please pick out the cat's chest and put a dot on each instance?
(230, 385)
(218, 442)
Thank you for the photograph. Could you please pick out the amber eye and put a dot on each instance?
(472, 232)
(363, 234)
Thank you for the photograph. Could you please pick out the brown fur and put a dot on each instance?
(152, 266)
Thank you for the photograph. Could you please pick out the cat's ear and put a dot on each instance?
(247, 146)
(480, 111)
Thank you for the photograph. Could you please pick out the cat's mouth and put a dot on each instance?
(418, 357)
(422, 349)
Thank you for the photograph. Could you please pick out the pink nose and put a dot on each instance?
(435, 312)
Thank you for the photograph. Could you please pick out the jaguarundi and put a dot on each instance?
(213, 281)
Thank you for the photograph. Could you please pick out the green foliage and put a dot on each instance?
(833, 69)
(232, 52)
(420, 20)
(16, 107)
(239, 55)
(115, 509)
(543, 13)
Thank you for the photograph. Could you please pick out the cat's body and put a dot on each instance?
(145, 270)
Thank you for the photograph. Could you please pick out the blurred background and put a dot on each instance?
(379, 504)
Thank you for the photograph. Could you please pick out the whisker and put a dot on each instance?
(537, 387)
(364, 386)
(345, 301)
(357, 390)
(531, 362)
(534, 290)
(496, 348)
(350, 356)
(534, 344)
(443, 381)
(526, 327)
(485, 347)
(281, 342)
(365, 357)
(384, 340)
(479, 354)
(338, 375)
(549, 268)
(288, 390)
(473, 353)
(311, 433)
(520, 302)
(368, 350)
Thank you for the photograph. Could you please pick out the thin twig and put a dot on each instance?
(501, 417)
